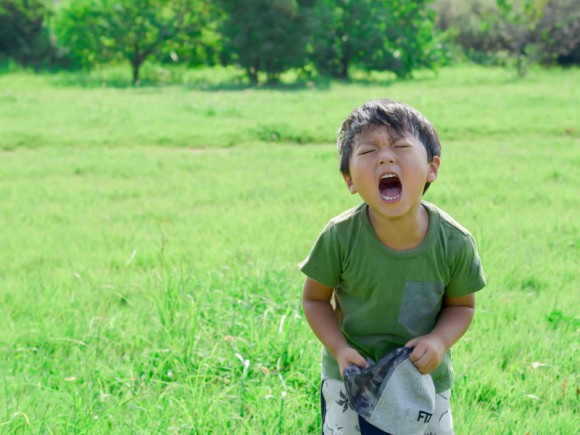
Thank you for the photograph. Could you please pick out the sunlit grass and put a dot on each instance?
(151, 286)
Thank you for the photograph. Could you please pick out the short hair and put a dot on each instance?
(398, 117)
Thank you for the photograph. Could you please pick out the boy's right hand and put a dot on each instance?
(348, 356)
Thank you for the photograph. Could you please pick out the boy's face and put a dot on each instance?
(389, 172)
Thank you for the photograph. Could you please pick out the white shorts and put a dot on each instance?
(338, 416)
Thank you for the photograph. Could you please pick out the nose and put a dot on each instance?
(386, 155)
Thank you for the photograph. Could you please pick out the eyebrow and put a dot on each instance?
(407, 139)
(393, 141)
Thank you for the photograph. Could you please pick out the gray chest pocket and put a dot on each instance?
(420, 306)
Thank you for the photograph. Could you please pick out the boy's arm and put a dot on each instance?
(456, 316)
(320, 315)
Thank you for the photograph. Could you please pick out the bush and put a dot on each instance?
(559, 29)
(496, 31)
(24, 34)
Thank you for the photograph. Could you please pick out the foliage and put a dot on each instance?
(396, 36)
(409, 38)
(518, 27)
(133, 30)
(522, 31)
(466, 23)
(266, 35)
(559, 30)
(268, 38)
(23, 33)
(343, 35)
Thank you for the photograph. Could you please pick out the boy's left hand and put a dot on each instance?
(428, 353)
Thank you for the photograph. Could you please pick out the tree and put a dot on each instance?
(409, 37)
(527, 30)
(518, 23)
(133, 30)
(23, 33)
(468, 24)
(559, 31)
(393, 35)
(343, 35)
(266, 35)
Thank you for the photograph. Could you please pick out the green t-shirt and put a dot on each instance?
(388, 297)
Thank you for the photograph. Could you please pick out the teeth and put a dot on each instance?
(385, 197)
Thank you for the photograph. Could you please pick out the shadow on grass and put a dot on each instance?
(284, 87)
(160, 78)
(84, 80)
(319, 83)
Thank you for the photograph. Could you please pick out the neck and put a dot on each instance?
(403, 233)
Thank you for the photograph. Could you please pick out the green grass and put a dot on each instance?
(150, 238)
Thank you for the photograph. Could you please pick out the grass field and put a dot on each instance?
(151, 236)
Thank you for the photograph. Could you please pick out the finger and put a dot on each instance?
(418, 352)
(359, 361)
(411, 342)
(352, 357)
(425, 363)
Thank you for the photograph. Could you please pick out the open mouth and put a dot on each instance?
(390, 187)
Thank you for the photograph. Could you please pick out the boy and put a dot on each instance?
(394, 271)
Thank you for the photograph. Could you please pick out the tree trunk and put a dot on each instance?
(344, 61)
(136, 65)
(521, 66)
(273, 78)
(252, 75)
(521, 60)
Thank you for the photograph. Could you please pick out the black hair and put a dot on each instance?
(400, 118)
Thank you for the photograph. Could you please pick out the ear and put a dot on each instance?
(349, 183)
(433, 169)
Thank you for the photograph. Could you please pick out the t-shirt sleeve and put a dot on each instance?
(467, 275)
(323, 262)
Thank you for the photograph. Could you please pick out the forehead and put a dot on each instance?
(374, 133)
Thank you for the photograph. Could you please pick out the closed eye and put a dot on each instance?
(363, 152)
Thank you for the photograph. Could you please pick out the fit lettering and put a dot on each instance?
(425, 416)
